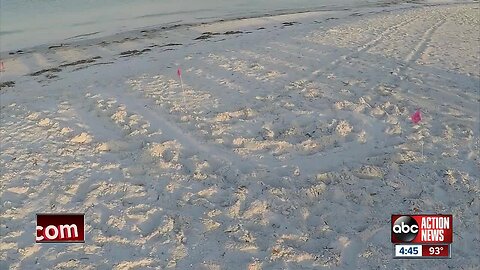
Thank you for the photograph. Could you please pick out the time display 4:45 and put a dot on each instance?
(409, 250)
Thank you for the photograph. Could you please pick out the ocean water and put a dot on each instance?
(27, 23)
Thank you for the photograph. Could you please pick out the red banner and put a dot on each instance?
(60, 228)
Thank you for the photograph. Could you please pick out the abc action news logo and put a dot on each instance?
(422, 229)
(60, 228)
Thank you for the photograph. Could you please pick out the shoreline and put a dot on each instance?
(173, 25)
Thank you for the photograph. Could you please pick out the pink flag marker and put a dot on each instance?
(416, 117)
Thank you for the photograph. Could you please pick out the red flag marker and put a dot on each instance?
(2, 67)
(179, 72)
(416, 117)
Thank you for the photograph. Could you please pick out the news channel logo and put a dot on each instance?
(405, 229)
(422, 228)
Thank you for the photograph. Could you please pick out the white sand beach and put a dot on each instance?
(290, 146)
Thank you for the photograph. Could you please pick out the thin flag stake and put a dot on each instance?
(416, 118)
(179, 73)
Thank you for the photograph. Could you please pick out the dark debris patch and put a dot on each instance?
(170, 44)
(7, 84)
(133, 52)
(57, 46)
(170, 27)
(51, 76)
(206, 35)
(17, 52)
(79, 62)
(126, 39)
(233, 32)
(289, 23)
(326, 20)
(40, 72)
(356, 14)
(95, 64)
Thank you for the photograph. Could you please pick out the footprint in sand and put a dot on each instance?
(83, 138)
(46, 122)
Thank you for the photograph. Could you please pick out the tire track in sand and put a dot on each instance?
(422, 44)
